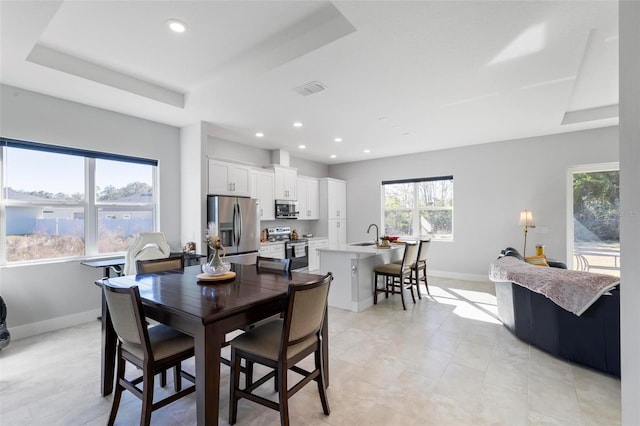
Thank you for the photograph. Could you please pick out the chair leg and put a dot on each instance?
(417, 271)
(163, 378)
(248, 373)
(147, 397)
(402, 292)
(426, 283)
(177, 377)
(322, 389)
(234, 384)
(117, 394)
(375, 288)
(283, 396)
(413, 297)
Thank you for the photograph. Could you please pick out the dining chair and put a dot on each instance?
(396, 276)
(147, 245)
(273, 264)
(419, 267)
(280, 345)
(152, 349)
(173, 263)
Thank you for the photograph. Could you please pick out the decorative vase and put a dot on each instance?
(215, 260)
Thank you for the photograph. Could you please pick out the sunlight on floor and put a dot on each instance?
(471, 304)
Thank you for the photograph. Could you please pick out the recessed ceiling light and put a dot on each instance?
(338, 140)
(332, 156)
(297, 124)
(366, 151)
(301, 146)
(259, 135)
(176, 25)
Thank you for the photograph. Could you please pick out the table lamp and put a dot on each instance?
(526, 219)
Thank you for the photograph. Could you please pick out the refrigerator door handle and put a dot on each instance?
(239, 229)
(235, 226)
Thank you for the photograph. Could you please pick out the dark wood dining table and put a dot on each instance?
(207, 311)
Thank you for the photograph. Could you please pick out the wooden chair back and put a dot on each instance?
(174, 263)
(273, 264)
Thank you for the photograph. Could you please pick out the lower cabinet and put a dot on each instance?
(272, 250)
(337, 230)
(314, 254)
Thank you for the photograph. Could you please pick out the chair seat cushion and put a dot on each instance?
(389, 269)
(165, 342)
(265, 340)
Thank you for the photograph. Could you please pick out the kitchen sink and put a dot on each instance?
(368, 243)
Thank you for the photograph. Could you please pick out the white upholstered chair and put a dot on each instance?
(147, 246)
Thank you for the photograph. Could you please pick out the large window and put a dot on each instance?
(62, 202)
(420, 207)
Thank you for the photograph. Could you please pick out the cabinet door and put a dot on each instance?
(314, 254)
(265, 195)
(228, 178)
(337, 200)
(308, 198)
(337, 233)
(313, 199)
(285, 183)
(314, 262)
(219, 178)
(239, 179)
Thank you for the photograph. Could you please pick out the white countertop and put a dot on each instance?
(347, 248)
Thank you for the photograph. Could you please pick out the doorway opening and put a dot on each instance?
(593, 227)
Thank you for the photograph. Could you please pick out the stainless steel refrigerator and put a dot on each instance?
(238, 225)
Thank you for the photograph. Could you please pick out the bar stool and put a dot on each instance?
(396, 274)
(420, 266)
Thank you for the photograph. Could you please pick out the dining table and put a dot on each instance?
(206, 310)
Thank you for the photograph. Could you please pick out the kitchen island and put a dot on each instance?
(352, 266)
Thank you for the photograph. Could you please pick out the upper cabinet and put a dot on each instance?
(286, 180)
(228, 178)
(262, 190)
(308, 198)
(336, 199)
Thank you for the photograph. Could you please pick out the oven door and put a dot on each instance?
(298, 253)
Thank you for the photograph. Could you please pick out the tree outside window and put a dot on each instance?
(419, 207)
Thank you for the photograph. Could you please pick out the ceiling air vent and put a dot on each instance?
(310, 88)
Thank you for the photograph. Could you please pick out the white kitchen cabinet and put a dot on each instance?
(337, 229)
(333, 211)
(314, 254)
(308, 198)
(272, 250)
(228, 178)
(286, 180)
(336, 199)
(262, 190)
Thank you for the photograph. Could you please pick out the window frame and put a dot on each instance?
(89, 205)
(416, 209)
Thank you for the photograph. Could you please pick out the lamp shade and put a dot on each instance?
(526, 218)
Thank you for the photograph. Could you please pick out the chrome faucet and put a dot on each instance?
(377, 231)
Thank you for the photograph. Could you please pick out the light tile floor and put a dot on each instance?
(447, 360)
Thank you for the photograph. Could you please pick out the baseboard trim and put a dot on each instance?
(460, 276)
(52, 324)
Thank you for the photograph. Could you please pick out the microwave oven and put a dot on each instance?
(286, 209)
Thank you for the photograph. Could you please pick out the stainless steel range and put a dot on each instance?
(296, 250)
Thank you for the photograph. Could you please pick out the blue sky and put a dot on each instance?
(42, 171)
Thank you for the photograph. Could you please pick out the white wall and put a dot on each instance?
(629, 12)
(49, 296)
(492, 184)
(258, 157)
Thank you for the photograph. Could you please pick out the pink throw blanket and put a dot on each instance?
(574, 291)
